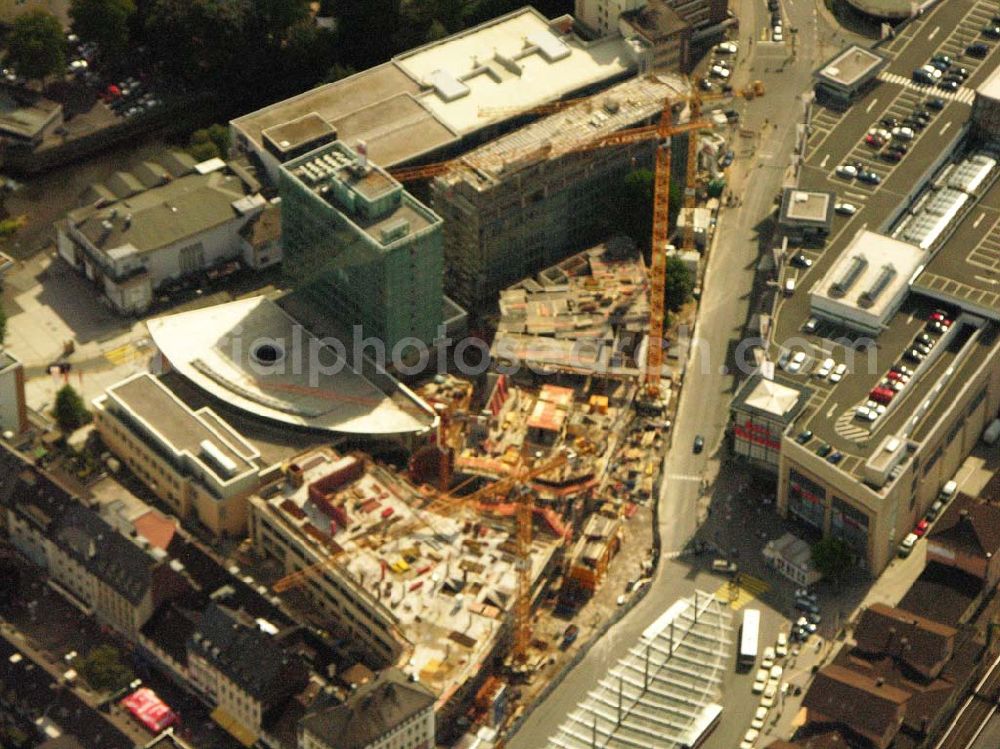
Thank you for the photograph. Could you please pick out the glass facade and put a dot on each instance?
(806, 499)
(370, 260)
(849, 525)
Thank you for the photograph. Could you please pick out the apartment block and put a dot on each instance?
(370, 252)
(391, 712)
(601, 16)
(192, 460)
(531, 198)
(13, 406)
(237, 663)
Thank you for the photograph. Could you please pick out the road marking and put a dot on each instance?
(933, 33)
(822, 164)
(683, 477)
(978, 219)
(871, 105)
(832, 409)
(855, 195)
(945, 128)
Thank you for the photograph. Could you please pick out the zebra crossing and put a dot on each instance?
(963, 95)
(850, 428)
(742, 590)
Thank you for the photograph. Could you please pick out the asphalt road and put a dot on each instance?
(708, 385)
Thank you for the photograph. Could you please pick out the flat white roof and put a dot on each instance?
(518, 61)
(990, 88)
(434, 95)
(212, 347)
(869, 279)
(773, 397)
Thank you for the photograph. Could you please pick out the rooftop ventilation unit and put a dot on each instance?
(850, 277)
(395, 230)
(871, 295)
(222, 461)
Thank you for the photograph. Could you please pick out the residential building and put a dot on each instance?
(159, 223)
(13, 406)
(966, 537)
(391, 712)
(239, 665)
(367, 250)
(372, 579)
(192, 460)
(664, 30)
(792, 557)
(530, 198)
(872, 709)
(28, 122)
(440, 99)
(601, 17)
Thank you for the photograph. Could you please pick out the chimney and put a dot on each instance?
(296, 475)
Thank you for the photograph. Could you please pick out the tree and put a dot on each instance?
(105, 22)
(70, 411)
(678, 285)
(35, 46)
(833, 559)
(103, 669)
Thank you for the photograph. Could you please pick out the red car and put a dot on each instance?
(921, 528)
(939, 316)
(897, 377)
(882, 395)
(874, 141)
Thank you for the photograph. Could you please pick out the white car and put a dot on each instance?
(776, 672)
(719, 72)
(796, 361)
(777, 36)
(865, 414)
(805, 624)
(768, 660)
(903, 133)
(880, 132)
(759, 717)
(825, 368)
(933, 72)
(848, 171)
(781, 649)
(838, 372)
(845, 209)
(749, 738)
(759, 681)
(727, 48)
(878, 408)
(767, 699)
(908, 543)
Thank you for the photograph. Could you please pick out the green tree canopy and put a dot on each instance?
(832, 558)
(679, 284)
(105, 22)
(70, 411)
(103, 669)
(36, 46)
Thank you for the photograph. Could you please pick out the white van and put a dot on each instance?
(789, 287)
(948, 491)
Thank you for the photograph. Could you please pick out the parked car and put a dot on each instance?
(824, 369)
(913, 355)
(811, 325)
(717, 71)
(801, 261)
(835, 457)
(804, 436)
(935, 510)
(781, 648)
(869, 177)
(794, 362)
(892, 155)
(992, 31)
(767, 660)
(865, 414)
(824, 450)
(570, 634)
(903, 133)
(948, 85)
(767, 699)
(847, 171)
(935, 104)
(727, 159)
(804, 604)
(845, 209)
(838, 372)
(890, 122)
(699, 444)
(759, 717)
(727, 48)
(759, 681)
(977, 50)
(750, 737)
(906, 546)
(922, 527)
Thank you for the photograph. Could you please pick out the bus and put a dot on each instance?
(749, 632)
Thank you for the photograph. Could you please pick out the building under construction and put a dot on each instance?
(427, 591)
(524, 201)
